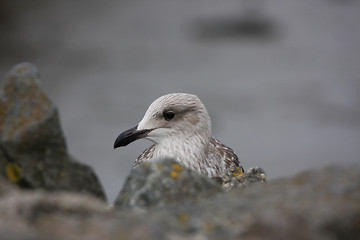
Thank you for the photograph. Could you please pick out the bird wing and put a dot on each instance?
(222, 155)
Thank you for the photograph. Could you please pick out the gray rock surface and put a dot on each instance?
(234, 178)
(317, 204)
(47, 215)
(163, 183)
(33, 152)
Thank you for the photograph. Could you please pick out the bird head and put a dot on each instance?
(172, 116)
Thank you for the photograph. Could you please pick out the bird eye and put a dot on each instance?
(168, 115)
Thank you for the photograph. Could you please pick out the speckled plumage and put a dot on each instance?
(186, 137)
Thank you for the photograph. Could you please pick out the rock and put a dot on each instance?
(5, 186)
(234, 178)
(163, 183)
(316, 204)
(33, 151)
(45, 215)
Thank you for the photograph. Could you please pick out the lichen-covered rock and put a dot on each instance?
(162, 183)
(234, 178)
(316, 204)
(33, 152)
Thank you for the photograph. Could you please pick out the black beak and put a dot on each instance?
(129, 136)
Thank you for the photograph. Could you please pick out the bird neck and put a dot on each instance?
(189, 151)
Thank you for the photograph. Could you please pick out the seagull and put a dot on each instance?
(179, 126)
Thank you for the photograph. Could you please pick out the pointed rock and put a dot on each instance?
(33, 151)
(161, 183)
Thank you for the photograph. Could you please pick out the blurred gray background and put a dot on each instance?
(280, 78)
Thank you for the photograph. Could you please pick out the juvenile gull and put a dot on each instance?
(180, 127)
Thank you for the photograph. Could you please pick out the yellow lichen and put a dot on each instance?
(174, 174)
(183, 217)
(208, 226)
(237, 173)
(13, 172)
(159, 165)
(177, 167)
(62, 174)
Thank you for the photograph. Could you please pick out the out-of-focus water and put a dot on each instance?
(280, 78)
